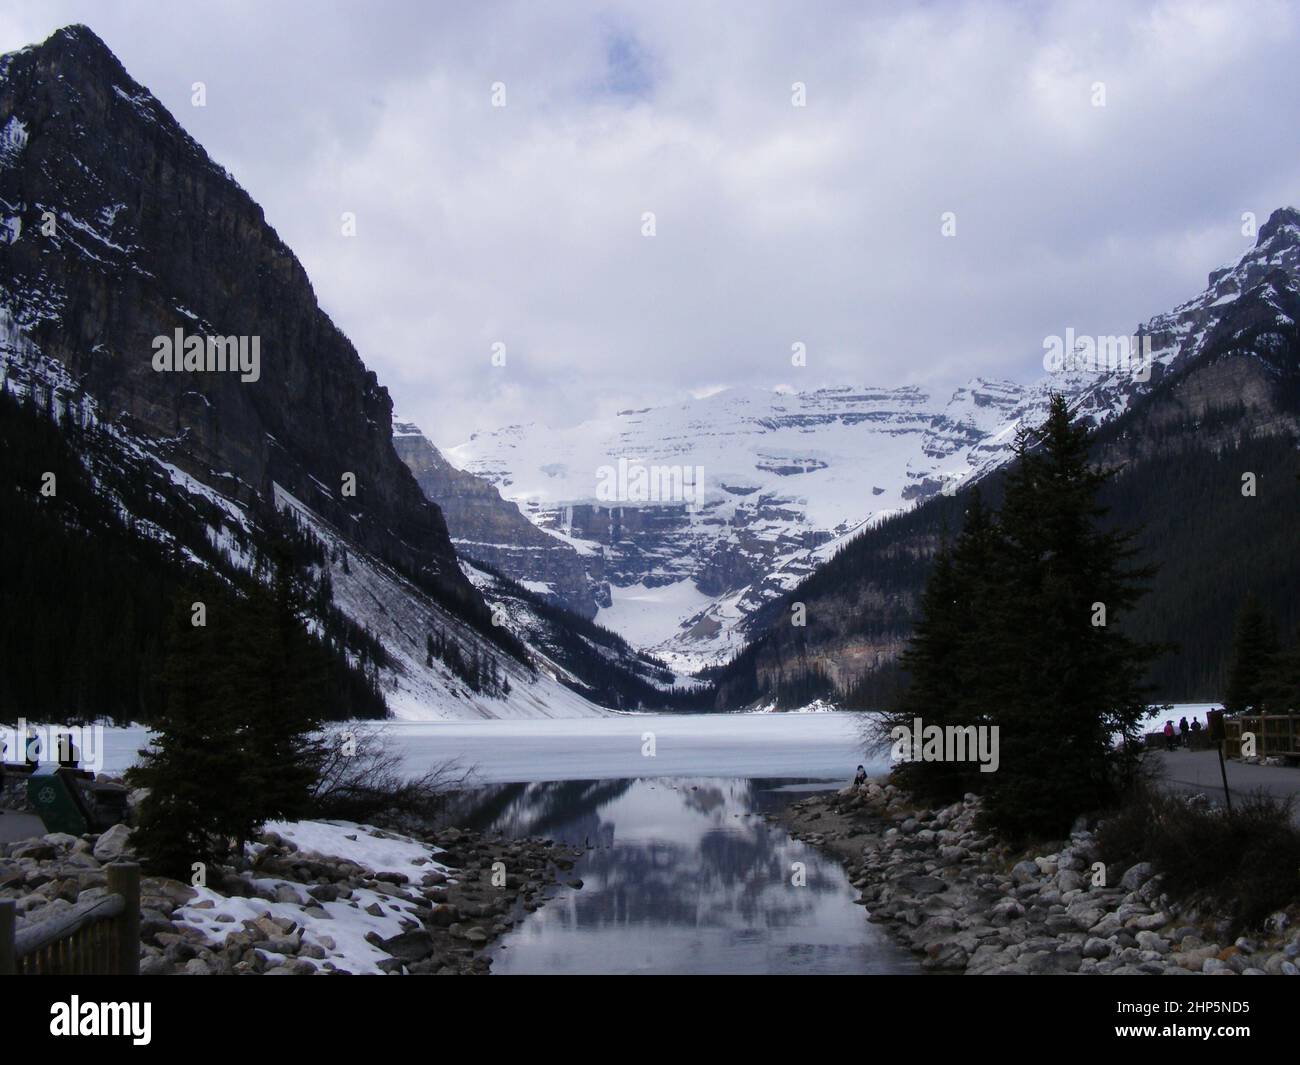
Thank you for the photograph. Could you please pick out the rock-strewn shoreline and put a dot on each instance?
(968, 904)
(283, 909)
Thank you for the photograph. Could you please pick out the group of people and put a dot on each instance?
(1184, 734)
(69, 756)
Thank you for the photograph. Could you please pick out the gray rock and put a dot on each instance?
(1151, 941)
(154, 965)
(1107, 926)
(945, 956)
(1086, 919)
(1069, 880)
(1096, 947)
(410, 947)
(444, 915)
(113, 844)
(1137, 875)
(1148, 922)
(1062, 960)
(921, 886)
(1007, 908)
(1024, 872)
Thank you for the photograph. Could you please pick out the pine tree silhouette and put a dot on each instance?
(1068, 681)
(194, 767)
(1254, 650)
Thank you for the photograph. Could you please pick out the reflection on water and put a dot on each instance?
(684, 876)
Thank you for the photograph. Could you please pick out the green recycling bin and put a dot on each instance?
(50, 794)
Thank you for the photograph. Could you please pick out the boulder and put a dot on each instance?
(1137, 875)
(1095, 947)
(113, 845)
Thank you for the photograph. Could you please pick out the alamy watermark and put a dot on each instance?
(1098, 354)
(629, 482)
(67, 744)
(77, 1018)
(198, 354)
(920, 742)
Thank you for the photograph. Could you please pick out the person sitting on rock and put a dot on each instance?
(861, 778)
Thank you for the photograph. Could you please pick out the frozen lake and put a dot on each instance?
(824, 746)
(807, 746)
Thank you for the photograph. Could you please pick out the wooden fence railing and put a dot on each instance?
(96, 937)
(1276, 735)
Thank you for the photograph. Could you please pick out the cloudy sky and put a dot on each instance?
(774, 224)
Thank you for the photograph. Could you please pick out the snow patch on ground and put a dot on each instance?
(371, 848)
(341, 932)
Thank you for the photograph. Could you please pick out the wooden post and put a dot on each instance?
(124, 880)
(1217, 729)
(8, 959)
(1223, 770)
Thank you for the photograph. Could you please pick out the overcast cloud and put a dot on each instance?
(775, 224)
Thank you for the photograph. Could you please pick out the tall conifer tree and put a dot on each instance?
(1069, 695)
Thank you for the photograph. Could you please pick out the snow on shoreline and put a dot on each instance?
(334, 931)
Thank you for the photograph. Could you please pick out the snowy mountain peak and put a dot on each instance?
(779, 479)
(788, 476)
(1281, 229)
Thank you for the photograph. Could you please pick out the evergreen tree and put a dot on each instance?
(931, 660)
(1254, 648)
(950, 658)
(193, 770)
(1282, 688)
(1069, 681)
(280, 690)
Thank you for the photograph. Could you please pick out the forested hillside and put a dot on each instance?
(1208, 471)
(83, 545)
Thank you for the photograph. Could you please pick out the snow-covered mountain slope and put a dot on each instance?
(766, 480)
(786, 478)
(370, 593)
(418, 687)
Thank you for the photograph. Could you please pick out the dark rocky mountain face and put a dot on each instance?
(151, 236)
(487, 528)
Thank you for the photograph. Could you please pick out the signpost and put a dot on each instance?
(1214, 719)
